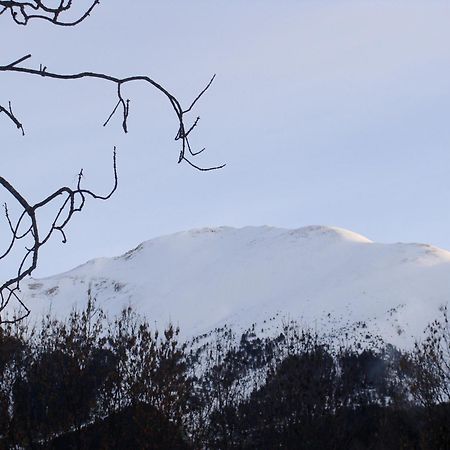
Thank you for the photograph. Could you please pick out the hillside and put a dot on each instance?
(327, 278)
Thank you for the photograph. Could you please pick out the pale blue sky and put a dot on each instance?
(332, 113)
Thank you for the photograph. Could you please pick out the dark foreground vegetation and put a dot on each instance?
(92, 383)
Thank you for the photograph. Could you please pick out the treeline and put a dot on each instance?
(94, 383)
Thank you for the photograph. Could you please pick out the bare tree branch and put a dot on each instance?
(24, 11)
(73, 200)
(26, 227)
(9, 113)
(182, 134)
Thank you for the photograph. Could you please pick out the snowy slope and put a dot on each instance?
(324, 277)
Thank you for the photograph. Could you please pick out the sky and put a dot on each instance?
(325, 112)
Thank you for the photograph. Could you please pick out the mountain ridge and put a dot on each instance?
(324, 277)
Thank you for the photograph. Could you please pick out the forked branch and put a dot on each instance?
(123, 104)
(22, 12)
(25, 227)
(9, 113)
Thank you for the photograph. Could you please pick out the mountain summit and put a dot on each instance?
(326, 278)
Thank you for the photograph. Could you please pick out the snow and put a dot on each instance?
(325, 277)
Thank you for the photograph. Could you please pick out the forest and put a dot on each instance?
(96, 382)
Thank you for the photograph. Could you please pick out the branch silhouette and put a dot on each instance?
(25, 226)
(22, 12)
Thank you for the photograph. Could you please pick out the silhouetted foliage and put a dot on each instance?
(94, 383)
(70, 377)
(139, 426)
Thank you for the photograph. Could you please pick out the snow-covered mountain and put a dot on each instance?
(326, 278)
